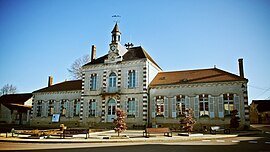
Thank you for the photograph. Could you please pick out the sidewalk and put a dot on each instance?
(127, 136)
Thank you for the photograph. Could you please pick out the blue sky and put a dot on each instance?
(39, 38)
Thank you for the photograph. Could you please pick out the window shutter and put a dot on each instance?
(137, 78)
(126, 80)
(136, 108)
(94, 107)
(125, 108)
(211, 107)
(46, 109)
(34, 112)
(54, 107)
(220, 107)
(71, 109)
(174, 107)
(86, 83)
(154, 108)
(187, 102)
(166, 107)
(86, 109)
(43, 112)
(237, 104)
(66, 105)
(196, 107)
(97, 82)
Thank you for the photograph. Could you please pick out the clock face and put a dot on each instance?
(113, 48)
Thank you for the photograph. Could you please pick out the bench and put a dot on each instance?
(165, 131)
(5, 130)
(74, 131)
(215, 129)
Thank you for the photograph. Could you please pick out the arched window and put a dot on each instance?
(112, 82)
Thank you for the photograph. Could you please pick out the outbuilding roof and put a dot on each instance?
(194, 76)
(16, 101)
(63, 86)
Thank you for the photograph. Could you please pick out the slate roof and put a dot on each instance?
(262, 105)
(63, 86)
(16, 101)
(116, 29)
(132, 54)
(194, 76)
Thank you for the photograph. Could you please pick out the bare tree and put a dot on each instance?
(8, 89)
(76, 68)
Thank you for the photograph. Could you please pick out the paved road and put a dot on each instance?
(246, 144)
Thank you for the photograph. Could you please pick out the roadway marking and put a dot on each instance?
(220, 141)
(253, 142)
(235, 141)
(267, 142)
(206, 140)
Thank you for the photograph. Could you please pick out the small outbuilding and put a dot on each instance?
(15, 108)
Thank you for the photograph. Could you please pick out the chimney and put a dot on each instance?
(50, 81)
(93, 53)
(241, 68)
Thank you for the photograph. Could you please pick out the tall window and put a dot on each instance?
(39, 107)
(132, 79)
(180, 105)
(63, 108)
(112, 82)
(92, 108)
(44, 111)
(203, 104)
(160, 106)
(77, 107)
(131, 107)
(93, 82)
(51, 107)
(228, 103)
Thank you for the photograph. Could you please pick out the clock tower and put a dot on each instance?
(116, 50)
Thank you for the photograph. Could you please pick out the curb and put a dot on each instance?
(141, 139)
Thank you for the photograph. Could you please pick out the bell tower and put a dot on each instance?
(116, 34)
(116, 51)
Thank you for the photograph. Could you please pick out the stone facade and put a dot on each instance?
(57, 99)
(128, 78)
(119, 81)
(210, 110)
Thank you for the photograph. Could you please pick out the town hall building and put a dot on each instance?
(129, 79)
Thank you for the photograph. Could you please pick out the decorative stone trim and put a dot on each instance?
(103, 110)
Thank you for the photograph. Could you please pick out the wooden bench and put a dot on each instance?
(5, 130)
(165, 131)
(215, 129)
(74, 131)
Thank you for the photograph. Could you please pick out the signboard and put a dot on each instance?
(55, 117)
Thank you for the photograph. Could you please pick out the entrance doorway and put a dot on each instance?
(111, 110)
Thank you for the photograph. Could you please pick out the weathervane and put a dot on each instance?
(116, 18)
